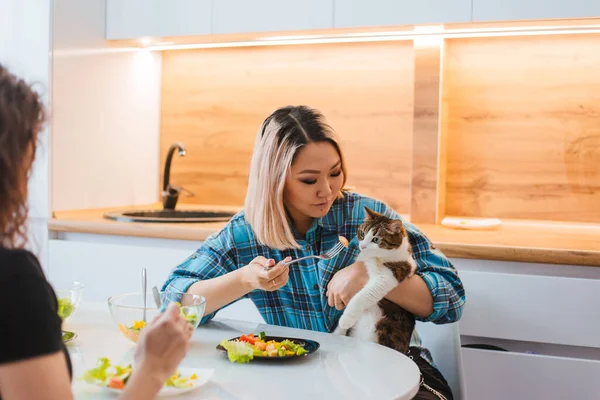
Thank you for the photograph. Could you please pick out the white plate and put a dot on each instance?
(204, 375)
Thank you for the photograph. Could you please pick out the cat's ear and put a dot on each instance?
(396, 226)
(370, 214)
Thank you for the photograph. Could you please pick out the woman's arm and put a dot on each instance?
(44, 378)
(211, 272)
(413, 295)
(436, 274)
(221, 290)
(224, 289)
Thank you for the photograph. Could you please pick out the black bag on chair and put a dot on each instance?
(433, 386)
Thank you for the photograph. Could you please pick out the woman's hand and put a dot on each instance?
(163, 344)
(345, 284)
(274, 278)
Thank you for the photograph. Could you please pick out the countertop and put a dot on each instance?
(343, 367)
(514, 240)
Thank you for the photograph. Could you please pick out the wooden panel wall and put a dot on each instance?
(428, 172)
(524, 127)
(214, 101)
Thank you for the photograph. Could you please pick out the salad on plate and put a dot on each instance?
(247, 347)
(115, 377)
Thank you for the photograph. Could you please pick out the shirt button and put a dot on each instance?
(307, 247)
(316, 287)
(194, 255)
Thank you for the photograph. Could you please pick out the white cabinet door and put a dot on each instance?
(128, 19)
(109, 269)
(361, 13)
(497, 375)
(241, 16)
(541, 309)
(492, 10)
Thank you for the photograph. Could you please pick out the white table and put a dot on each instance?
(343, 368)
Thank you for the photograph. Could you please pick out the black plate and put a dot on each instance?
(309, 345)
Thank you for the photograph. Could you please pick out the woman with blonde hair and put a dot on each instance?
(296, 206)
(34, 363)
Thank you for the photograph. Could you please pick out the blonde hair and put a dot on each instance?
(279, 139)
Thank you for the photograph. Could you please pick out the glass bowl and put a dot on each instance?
(127, 310)
(69, 296)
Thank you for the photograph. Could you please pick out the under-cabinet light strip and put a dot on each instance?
(360, 38)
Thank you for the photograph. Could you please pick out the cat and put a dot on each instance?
(386, 251)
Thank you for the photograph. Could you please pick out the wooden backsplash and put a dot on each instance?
(524, 127)
(521, 119)
(214, 101)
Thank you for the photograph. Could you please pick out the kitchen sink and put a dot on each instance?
(169, 216)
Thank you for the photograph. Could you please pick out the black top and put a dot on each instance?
(29, 321)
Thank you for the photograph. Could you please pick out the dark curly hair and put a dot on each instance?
(22, 116)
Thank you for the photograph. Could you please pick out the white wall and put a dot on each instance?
(106, 111)
(25, 37)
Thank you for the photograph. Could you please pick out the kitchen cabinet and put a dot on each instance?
(498, 375)
(492, 10)
(545, 319)
(130, 19)
(241, 16)
(528, 308)
(371, 13)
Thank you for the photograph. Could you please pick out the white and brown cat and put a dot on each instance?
(386, 251)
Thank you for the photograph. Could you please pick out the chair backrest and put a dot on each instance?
(443, 341)
(242, 310)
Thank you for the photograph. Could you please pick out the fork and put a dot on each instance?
(329, 254)
(144, 284)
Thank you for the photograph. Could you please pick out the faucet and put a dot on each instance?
(170, 193)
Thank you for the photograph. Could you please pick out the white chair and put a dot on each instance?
(443, 341)
(242, 310)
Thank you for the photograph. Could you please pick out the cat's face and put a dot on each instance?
(379, 236)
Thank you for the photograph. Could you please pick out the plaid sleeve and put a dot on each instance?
(437, 271)
(211, 260)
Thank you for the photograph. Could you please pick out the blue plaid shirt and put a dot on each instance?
(302, 303)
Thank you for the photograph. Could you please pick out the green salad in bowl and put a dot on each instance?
(127, 310)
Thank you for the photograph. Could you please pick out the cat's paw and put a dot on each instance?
(340, 331)
(345, 323)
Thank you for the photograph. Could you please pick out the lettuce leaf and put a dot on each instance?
(296, 348)
(240, 352)
(98, 373)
